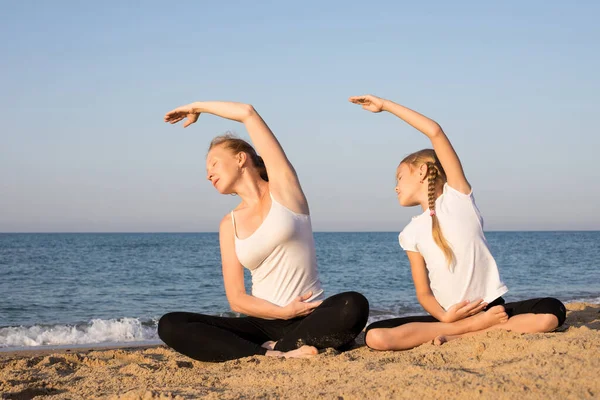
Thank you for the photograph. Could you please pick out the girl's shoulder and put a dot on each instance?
(449, 192)
(408, 236)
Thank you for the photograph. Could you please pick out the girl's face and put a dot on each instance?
(409, 185)
(222, 169)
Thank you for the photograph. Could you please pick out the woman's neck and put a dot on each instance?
(252, 190)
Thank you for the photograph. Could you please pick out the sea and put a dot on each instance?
(95, 289)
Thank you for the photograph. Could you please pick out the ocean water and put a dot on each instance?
(76, 289)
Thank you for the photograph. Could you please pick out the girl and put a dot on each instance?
(269, 233)
(455, 276)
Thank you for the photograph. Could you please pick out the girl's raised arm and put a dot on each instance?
(442, 146)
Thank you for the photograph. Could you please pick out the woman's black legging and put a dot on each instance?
(545, 305)
(335, 323)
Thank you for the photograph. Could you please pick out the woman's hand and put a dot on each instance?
(368, 102)
(463, 310)
(298, 307)
(187, 111)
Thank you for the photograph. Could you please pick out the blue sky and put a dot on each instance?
(85, 85)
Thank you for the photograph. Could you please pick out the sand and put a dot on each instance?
(497, 364)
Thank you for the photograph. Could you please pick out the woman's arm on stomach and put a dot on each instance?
(233, 279)
(239, 300)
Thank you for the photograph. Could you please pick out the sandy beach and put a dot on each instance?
(498, 364)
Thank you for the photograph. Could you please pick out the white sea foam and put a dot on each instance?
(96, 331)
(592, 300)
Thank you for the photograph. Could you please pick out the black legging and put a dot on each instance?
(545, 305)
(335, 323)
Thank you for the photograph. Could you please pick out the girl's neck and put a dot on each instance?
(425, 199)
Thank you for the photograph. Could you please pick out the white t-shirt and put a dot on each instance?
(475, 273)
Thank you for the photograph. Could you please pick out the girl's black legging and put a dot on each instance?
(546, 305)
(335, 323)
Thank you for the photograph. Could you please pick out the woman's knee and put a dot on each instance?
(354, 308)
(167, 325)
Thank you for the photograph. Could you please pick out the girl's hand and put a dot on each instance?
(369, 102)
(298, 307)
(463, 310)
(187, 111)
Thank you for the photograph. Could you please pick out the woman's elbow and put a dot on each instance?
(248, 111)
(234, 305)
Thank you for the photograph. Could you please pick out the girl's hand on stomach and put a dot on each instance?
(463, 310)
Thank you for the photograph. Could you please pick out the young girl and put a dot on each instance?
(269, 233)
(455, 276)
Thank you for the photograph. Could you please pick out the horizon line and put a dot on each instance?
(322, 231)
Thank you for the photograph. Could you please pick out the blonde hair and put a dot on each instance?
(237, 145)
(436, 177)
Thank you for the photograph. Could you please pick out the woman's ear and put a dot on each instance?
(242, 157)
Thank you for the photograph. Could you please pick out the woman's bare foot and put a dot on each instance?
(269, 345)
(302, 352)
(482, 321)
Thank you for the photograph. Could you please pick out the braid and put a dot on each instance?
(436, 177)
(436, 230)
(432, 174)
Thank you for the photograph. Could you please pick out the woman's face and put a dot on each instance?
(222, 169)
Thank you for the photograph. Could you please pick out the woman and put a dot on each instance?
(269, 233)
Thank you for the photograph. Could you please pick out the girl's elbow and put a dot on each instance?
(435, 130)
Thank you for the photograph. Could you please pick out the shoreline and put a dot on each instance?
(154, 342)
(495, 364)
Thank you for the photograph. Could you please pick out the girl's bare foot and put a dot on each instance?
(493, 316)
(482, 321)
(440, 340)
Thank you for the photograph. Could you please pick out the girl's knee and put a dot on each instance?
(547, 322)
(376, 339)
(551, 307)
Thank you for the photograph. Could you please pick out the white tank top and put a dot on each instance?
(281, 256)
